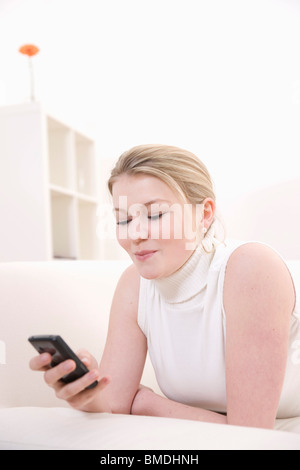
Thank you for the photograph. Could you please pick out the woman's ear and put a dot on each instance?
(209, 209)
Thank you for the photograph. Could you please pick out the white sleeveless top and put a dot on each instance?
(183, 319)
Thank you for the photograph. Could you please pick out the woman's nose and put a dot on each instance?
(139, 228)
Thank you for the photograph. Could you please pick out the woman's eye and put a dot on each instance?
(123, 222)
(150, 217)
(155, 216)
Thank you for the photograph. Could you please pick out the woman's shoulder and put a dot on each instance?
(257, 267)
(130, 279)
(255, 254)
(131, 274)
(251, 257)
(242, 250)
(127, 290)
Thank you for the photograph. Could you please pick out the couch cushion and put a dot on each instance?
(62, 428)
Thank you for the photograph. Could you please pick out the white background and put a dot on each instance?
(218, 77)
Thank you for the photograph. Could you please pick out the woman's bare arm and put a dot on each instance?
(148, 403)
(259, 298)
(126, 346)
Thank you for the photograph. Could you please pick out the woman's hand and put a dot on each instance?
(74, 393)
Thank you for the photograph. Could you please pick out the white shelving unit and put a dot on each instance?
(49, 188)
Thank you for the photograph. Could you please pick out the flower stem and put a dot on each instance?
(31, 79)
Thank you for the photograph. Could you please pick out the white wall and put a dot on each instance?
(220, 78)
(270, 215)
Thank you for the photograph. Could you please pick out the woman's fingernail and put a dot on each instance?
(93, 374)
(68, 366)
(44, 358)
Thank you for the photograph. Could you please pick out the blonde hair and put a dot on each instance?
(181, 170)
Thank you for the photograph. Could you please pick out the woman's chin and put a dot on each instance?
(148, 273)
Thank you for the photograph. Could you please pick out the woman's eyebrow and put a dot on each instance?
(153, 201)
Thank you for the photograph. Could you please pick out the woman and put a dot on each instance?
(219, 319)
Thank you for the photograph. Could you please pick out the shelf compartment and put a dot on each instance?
(64, 234)
(60, 149)
(87, 224)
(85, 165)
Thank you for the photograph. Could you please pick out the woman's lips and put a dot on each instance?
(143, 255)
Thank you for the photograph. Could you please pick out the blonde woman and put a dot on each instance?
(218, 318)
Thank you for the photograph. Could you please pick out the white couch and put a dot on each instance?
(72, 298)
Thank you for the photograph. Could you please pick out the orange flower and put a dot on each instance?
(29, 49)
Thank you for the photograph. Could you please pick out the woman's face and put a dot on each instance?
(154, 226)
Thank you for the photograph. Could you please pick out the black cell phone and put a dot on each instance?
(60, 351)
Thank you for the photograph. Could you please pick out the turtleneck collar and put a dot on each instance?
(188, 280)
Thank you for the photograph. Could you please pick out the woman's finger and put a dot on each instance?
(53, 375)
(76, 389)
(40, 362)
